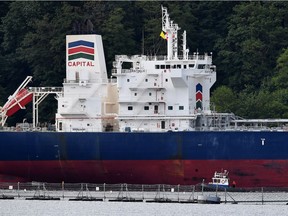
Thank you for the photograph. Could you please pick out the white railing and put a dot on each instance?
(45, 89)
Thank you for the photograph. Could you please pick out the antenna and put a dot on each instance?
(185, 50)
(171, 30)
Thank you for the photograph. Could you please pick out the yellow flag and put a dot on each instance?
(162, 34)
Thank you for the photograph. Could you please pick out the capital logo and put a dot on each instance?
(81, 49)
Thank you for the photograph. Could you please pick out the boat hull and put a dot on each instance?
(145, 158)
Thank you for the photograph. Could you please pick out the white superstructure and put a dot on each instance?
(163, 93)
(158, 93)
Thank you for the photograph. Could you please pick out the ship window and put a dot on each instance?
(60, 126)
(174, 66)
(155, 109)
(130, 107)
(178, 66)
(185, 66)
(150, 94)
(181, 107)
(201, 66)
(157, 66)
(191, 65)
(162, 66)
(166, 80)
(167, 66)
(146, 107)
(128, 80)
(135, 94)
(146, 80)
(170, 107)
(127, 65)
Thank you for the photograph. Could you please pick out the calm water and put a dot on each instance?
(65, 207)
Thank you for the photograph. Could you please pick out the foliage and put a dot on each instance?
(224, 99)
(256, 36)
(280, 78)
(117, 37)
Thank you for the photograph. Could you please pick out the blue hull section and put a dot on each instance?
(15, 146)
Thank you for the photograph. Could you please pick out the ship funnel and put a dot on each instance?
(85, 61)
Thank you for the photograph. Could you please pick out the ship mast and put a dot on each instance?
(185, 50)
(170, 29)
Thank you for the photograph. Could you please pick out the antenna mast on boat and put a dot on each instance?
(185, 50)
(170, 29)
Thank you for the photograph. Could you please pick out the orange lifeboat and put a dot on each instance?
(22, 98)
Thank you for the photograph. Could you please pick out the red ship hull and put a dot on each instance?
(183, 172)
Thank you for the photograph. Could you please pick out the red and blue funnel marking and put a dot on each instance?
(81, 49)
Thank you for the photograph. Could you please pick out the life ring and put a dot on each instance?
(222, 181)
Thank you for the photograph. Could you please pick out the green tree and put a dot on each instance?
(14, 27)
(118, 38)
(280, 78)
(224, 99)
(257, 32)
(44, 47)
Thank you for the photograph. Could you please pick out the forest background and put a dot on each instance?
(249, 41)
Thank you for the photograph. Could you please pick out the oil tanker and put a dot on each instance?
(150, 123)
